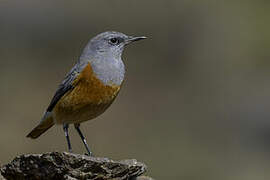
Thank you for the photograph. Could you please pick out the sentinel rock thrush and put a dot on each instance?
(90, 87)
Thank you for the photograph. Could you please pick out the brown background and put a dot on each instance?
(195, 104)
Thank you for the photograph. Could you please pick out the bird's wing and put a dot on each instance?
(66, 85)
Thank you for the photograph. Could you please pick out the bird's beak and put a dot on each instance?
(131, 39)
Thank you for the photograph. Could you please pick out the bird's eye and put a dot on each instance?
(114, 41)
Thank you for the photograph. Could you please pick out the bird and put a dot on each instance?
(90, 87)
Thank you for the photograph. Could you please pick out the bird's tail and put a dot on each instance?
(45, 124)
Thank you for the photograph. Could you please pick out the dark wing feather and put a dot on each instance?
(65, 86)
(63, 89)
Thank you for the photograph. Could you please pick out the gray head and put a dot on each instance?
(104, 52)
(108, 44)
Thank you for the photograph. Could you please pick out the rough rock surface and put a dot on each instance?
(71, 166)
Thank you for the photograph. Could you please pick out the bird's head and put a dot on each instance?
(108, 44)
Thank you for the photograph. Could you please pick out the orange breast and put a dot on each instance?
(89, 98)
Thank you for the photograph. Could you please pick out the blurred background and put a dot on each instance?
(195, 104)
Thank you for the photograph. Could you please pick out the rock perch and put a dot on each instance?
(69, 166)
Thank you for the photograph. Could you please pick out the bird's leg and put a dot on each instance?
(65, 127)
(77, 127)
